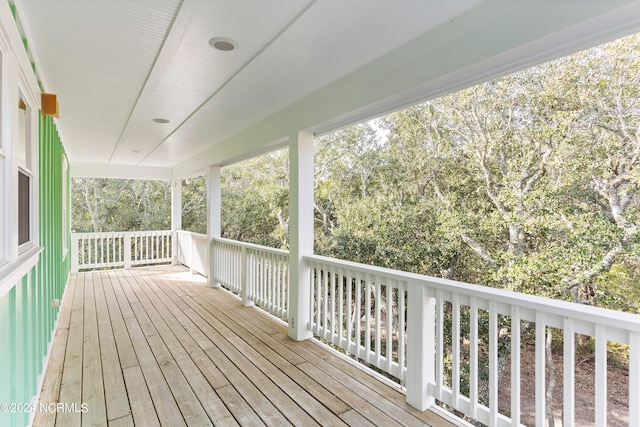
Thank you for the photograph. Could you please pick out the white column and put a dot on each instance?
(214, 214)
(176, 217)
(420, 346)
(300, 233)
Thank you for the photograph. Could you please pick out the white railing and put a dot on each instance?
(362, 311)
(191, 251)
(260, 275)
(119, 249)
(457, 338)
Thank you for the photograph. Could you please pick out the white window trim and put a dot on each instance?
(17, 79)
(31, 139)
(11, 273)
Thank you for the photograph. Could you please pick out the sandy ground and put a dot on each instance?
(617, 390)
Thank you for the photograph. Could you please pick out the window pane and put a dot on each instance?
(21, 146)
(23, 208)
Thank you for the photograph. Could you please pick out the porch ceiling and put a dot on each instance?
(306, 64)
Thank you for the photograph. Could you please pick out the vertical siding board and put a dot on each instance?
(26, 317)
(5, 357)
(12, 345)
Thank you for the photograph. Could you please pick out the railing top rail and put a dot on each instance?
(191, 233)
(617, 319)
(113, 233)
(251, 246)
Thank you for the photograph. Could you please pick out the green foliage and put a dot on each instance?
(255, 200)
(101, 205)
(194, 204)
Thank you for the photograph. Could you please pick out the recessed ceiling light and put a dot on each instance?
(222, 43)
(159, 120)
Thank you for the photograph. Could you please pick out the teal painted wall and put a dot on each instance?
(26, 318)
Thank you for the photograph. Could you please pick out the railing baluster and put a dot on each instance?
(402, 289)
(569, 363)
(378, 309)
(601, 375)
(317, 280)
(634, 379)
(358, 314)
(89, 254)
(473, 358)
(350, 314)
(455, 349)
(335, 302)
(389, 326)
(340, 308)
(515, 366)
(367, 318)
(541, 331)
(325, 302)
(439, 345)
(493, 363)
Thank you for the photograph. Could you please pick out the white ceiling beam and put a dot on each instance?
(93, 170)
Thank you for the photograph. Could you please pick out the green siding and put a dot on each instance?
(26, 318)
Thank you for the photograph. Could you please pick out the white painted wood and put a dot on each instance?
(350, 315)
(378, 321)
(541, 330)
(246, 282)
(569, 375)
(176, 215)
(332, 311)
(359, 289)
(402, 290)
(367, 317)
(634, 379)
(121, 250)
(601, 376)
(258, 274)
(493, 364)
(473, 359)
(439, 345)
(420, 351)
(301, 228)
(389, 326)
(515, 366)
(74, 252)
(214, 214)
(455, 350)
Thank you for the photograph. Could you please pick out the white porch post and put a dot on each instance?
(213, 220)
(300, 233)
(420, 346)
(176, 217)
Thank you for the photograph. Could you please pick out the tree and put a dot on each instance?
(100, 205)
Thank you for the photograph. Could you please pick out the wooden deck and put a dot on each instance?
(156, 346)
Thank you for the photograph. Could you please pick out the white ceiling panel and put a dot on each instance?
(196, 71)
(331, 39)
(299, 64)
(96, 55)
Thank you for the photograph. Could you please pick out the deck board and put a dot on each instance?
(155, 346)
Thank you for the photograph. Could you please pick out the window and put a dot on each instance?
(24, 214)
(23, 158)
